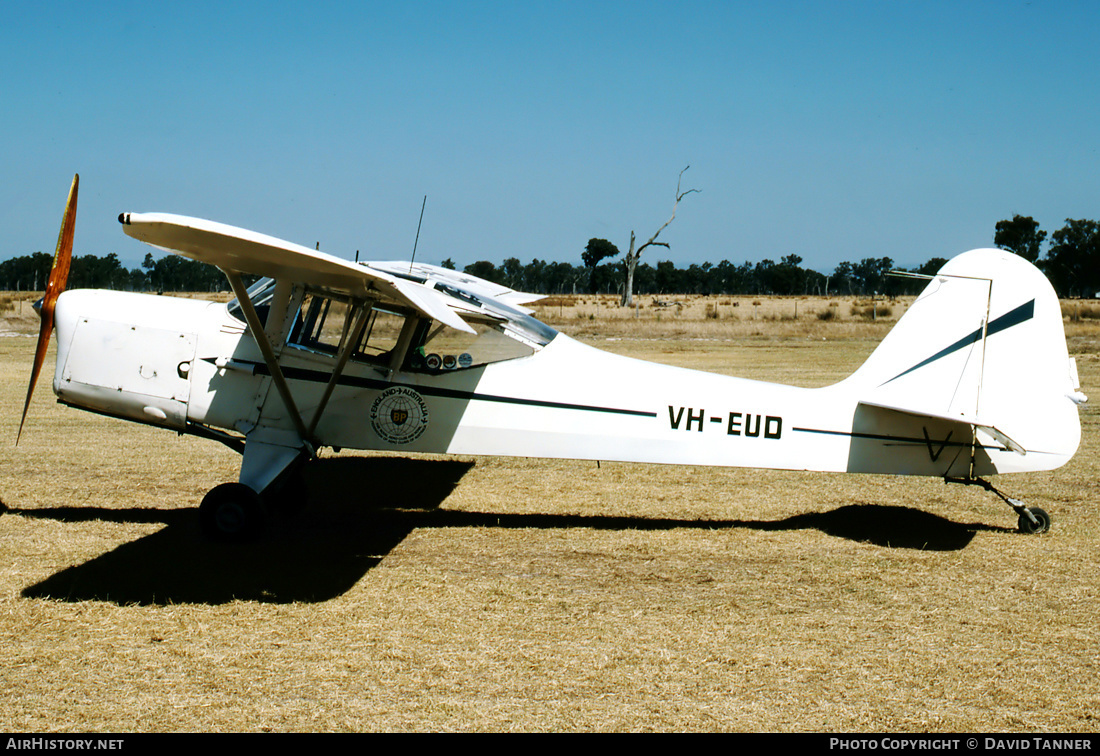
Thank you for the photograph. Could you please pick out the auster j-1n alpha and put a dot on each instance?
(974, 380)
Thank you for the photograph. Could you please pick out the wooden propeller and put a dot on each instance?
(59, 275)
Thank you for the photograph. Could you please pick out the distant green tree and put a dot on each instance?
(92, 272)
(815, 282)
(870, 274)
(1073, 261)
(932, 267)
(562, 278)
(534, 274)
(843, 278)
(449, 264)
(668, 279)
(1020, 235)
(26, 273)
(605, 279)
(511, 270)
(788, 277)
(597, 251)
(763, 277)
(695, 278)
(175, 273)
(645, 279)
(484, 269)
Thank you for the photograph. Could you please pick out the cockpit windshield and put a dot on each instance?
(259, 294)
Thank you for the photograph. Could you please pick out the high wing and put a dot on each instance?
(242, 251)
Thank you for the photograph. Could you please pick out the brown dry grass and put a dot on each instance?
(718, 317)
(500, 594)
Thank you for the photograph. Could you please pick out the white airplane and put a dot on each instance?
(974, 380)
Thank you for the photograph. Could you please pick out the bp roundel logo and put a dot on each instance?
(399, 415)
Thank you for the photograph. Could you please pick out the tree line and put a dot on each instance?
(866, 277)
(172, 273)
(1071, 263)
(169, 273)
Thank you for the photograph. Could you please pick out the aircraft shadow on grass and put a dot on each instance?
(321, 553)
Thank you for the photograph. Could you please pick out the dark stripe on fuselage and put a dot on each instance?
(1014, 317)
(320, 376)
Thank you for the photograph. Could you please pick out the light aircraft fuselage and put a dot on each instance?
(974, 380)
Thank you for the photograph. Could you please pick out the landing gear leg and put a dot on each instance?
(1033, 520)
(270, 482)
(289, 494)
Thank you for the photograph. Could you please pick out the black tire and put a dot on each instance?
(231, 513)
(1034, 528)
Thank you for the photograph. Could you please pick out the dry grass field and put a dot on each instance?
(495, 594)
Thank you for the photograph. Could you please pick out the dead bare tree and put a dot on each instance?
(632, 255)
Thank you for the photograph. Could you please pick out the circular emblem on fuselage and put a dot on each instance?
(399, 415)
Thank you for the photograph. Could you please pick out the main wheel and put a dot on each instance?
(231, 512)
(1032, 528)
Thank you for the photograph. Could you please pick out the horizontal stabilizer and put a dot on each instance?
(999, 435)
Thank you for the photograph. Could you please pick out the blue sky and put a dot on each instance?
(831, 130)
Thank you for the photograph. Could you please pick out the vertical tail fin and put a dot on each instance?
(984, 344)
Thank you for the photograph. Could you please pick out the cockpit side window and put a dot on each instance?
(443, 349)
(325, 321)
(309, 327)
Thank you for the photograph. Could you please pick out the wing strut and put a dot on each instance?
(351, 340)
(260, 337)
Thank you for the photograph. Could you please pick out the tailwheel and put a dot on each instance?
(231, 512)
(1033, 520)
(1037, 522)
